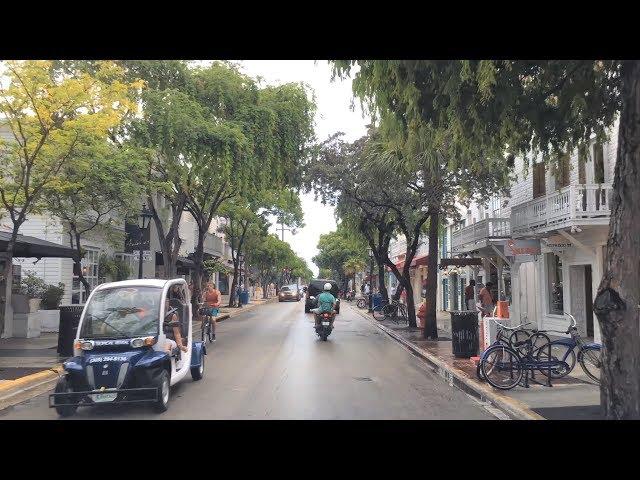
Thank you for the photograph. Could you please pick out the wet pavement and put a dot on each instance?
(268, 363)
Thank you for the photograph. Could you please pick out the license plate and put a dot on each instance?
(104, 397)
(326, 322)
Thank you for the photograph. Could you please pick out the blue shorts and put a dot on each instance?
(214, 311)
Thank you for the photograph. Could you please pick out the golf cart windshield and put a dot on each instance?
(122, 312)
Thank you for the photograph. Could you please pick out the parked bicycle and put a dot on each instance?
(503, 366)
(514, 337)
(589, 354)
(363, 302)
(394, 311)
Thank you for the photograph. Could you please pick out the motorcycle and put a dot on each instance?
(324, 324)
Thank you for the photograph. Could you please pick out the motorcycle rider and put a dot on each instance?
(326, 303)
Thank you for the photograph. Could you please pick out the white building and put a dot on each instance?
(564, 214)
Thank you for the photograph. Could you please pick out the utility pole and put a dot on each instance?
(282, 229)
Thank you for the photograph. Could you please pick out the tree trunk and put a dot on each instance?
(618, 298)
(198, 258)
(234, 282)
(78, 263)
(430, 321)
(381, 280)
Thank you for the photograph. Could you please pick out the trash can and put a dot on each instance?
(377, 300)
(69, 319)
(464, 334)
(244, 297)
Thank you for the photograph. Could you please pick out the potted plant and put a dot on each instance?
(49, 313)
(27, 298)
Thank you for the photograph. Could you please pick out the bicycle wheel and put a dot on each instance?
(203, 330)
(591, 362)
(378, 313)
(560, 352)
(518, 336)
(362, 303)
(500, 366)
(390, 311)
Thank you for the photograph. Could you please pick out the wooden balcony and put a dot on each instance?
(574, 205)
(480, 234)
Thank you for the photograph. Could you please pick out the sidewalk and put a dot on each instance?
(571, 397)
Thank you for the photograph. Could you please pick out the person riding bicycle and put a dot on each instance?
(212, 304)
(326, 302)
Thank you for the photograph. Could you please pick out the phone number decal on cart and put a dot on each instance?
(107, 359)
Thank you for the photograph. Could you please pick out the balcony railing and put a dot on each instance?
(473, 236)
(574, 204)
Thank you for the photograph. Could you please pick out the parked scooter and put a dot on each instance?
(324, 324)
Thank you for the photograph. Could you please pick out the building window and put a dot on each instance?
(554, 284)
(598, 163)
(539, 187)
(89, 267)
(445, 294)
(444, 250)
(563, 168)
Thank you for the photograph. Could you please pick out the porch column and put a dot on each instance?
(475, 288)
(500, 281)
(514, 313)
(596, 278)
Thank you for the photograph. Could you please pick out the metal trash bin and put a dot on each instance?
(244, 297)
(377, 300)
(464, 334)
(69, 319)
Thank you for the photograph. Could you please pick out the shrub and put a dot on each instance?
(52, 297)
(32, 286)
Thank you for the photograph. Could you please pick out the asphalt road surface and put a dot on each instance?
(268, 363)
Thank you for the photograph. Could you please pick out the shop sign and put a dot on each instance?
(522, 249)
(558, 244)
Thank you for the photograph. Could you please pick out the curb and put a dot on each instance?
(515, 409)
(29, 381)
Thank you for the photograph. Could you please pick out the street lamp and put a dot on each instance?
(144, 217)
(370, 278)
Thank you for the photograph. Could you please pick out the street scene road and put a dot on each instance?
(268, 363)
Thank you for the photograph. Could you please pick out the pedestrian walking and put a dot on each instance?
(469, 295)
(486, 300)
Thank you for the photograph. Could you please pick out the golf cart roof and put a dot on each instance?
(143, 282)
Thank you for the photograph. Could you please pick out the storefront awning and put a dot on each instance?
(32, 247)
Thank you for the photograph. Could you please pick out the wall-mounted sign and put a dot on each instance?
(557, 243)
(519, 248)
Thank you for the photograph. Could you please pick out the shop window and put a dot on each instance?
(445, 294)
(554, 284)
(598, 163)
(539, 187)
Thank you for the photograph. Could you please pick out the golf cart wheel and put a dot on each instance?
(198, 372)
(161, 382)
(63, 386)
(306, 308)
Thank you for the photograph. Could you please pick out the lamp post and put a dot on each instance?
(370, 278)
(144, 217)
(240, 265)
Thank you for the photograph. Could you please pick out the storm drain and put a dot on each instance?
(363, 379)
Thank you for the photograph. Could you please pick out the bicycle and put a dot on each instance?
(363, 302)
(515, 335)
(502, 366)
(390, 311)
(589, 354)
(206, 328)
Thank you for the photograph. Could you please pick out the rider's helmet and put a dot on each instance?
(327, 286)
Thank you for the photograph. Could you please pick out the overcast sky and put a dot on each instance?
(334, 114)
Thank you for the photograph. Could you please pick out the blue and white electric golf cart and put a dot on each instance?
(120, 351)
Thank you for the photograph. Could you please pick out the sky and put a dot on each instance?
(334, 114)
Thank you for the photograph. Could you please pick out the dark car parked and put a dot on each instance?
(315, 288)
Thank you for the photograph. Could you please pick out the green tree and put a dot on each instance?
(335, 249)
(102, 188)
(539, 108)
(255, 140)
(50, 114)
